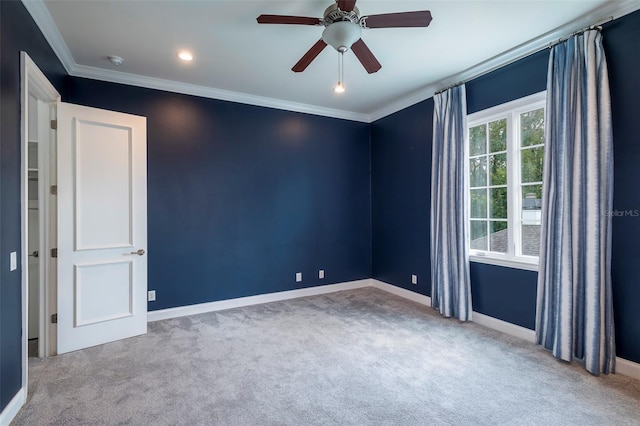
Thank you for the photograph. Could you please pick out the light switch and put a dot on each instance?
(414, 279)
(321, 273)
(298, 277)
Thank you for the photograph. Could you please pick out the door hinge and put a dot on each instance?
(54, 319)
(54, 124)
(54, 252)
(54, 189)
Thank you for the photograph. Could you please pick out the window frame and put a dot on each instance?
(510, 111)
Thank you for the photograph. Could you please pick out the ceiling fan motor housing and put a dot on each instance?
(334, 14)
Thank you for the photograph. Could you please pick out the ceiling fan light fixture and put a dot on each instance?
(341, 35)
(185, 56)
(339, 88)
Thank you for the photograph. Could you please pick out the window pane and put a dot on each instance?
(479, 234)
(498, 135)
(498, 203)
(478, 140)
(531, 204)
(531, 217)
(498, 164)
(478, 171)
(531, 162)
(499, 237)
(532, 192)
(479, 203)
(532, 127)
(531, 240)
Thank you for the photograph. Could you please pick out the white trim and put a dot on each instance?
(623, 366)
(49, 29)
(32, 81)
(478, 318)
(43, 19)
(399, 291)
(509, 111)
(628, 368)
(211, 93)
(507, 263)
(221, 305)
(516, 106)
(504, 327)
(610, 9)
(12, 408)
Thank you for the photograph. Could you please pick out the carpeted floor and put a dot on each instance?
(359, 357)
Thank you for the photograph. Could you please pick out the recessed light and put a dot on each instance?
(185, 56)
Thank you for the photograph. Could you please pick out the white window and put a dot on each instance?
(505, 152)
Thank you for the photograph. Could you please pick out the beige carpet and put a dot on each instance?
(359, 357)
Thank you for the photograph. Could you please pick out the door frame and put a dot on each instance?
(36, 84)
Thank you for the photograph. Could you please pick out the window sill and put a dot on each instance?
(509, 263)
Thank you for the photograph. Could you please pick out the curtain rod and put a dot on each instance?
(596, 26)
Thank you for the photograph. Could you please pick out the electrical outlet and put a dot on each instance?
(151, 295)
(414, 279)
(321, 273)
(298, 277)
(13, 261)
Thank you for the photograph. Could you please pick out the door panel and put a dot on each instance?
(103, 292)
(104, 185)
(102, 223)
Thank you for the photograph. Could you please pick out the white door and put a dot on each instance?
(34, 266)
(102, 226)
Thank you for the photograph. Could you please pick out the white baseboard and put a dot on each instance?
(504, 327)
(623, 366)
(202, 308)
(12, 408)
(399, 291)
(628, 368)
(478, 318)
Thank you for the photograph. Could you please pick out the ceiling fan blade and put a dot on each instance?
(308, 57)
(346, 5)
(366, 58)
(283, 19)
(420, 18)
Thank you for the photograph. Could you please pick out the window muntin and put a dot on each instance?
(505, 158)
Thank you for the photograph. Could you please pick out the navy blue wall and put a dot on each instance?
(17, 32)
(505, 293)
(240, 197)
(621, 40)
(401, 153)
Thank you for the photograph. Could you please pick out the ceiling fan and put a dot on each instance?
(343, 27)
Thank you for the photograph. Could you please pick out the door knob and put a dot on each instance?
(35, 254)
(139, 252)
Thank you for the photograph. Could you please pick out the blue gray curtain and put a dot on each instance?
(574, 316)
(450, 288)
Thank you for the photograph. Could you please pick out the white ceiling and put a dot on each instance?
(240, 60)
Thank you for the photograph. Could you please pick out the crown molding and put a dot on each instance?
(210, 92)
(608, 11)
(43, 19)
(49, 29)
